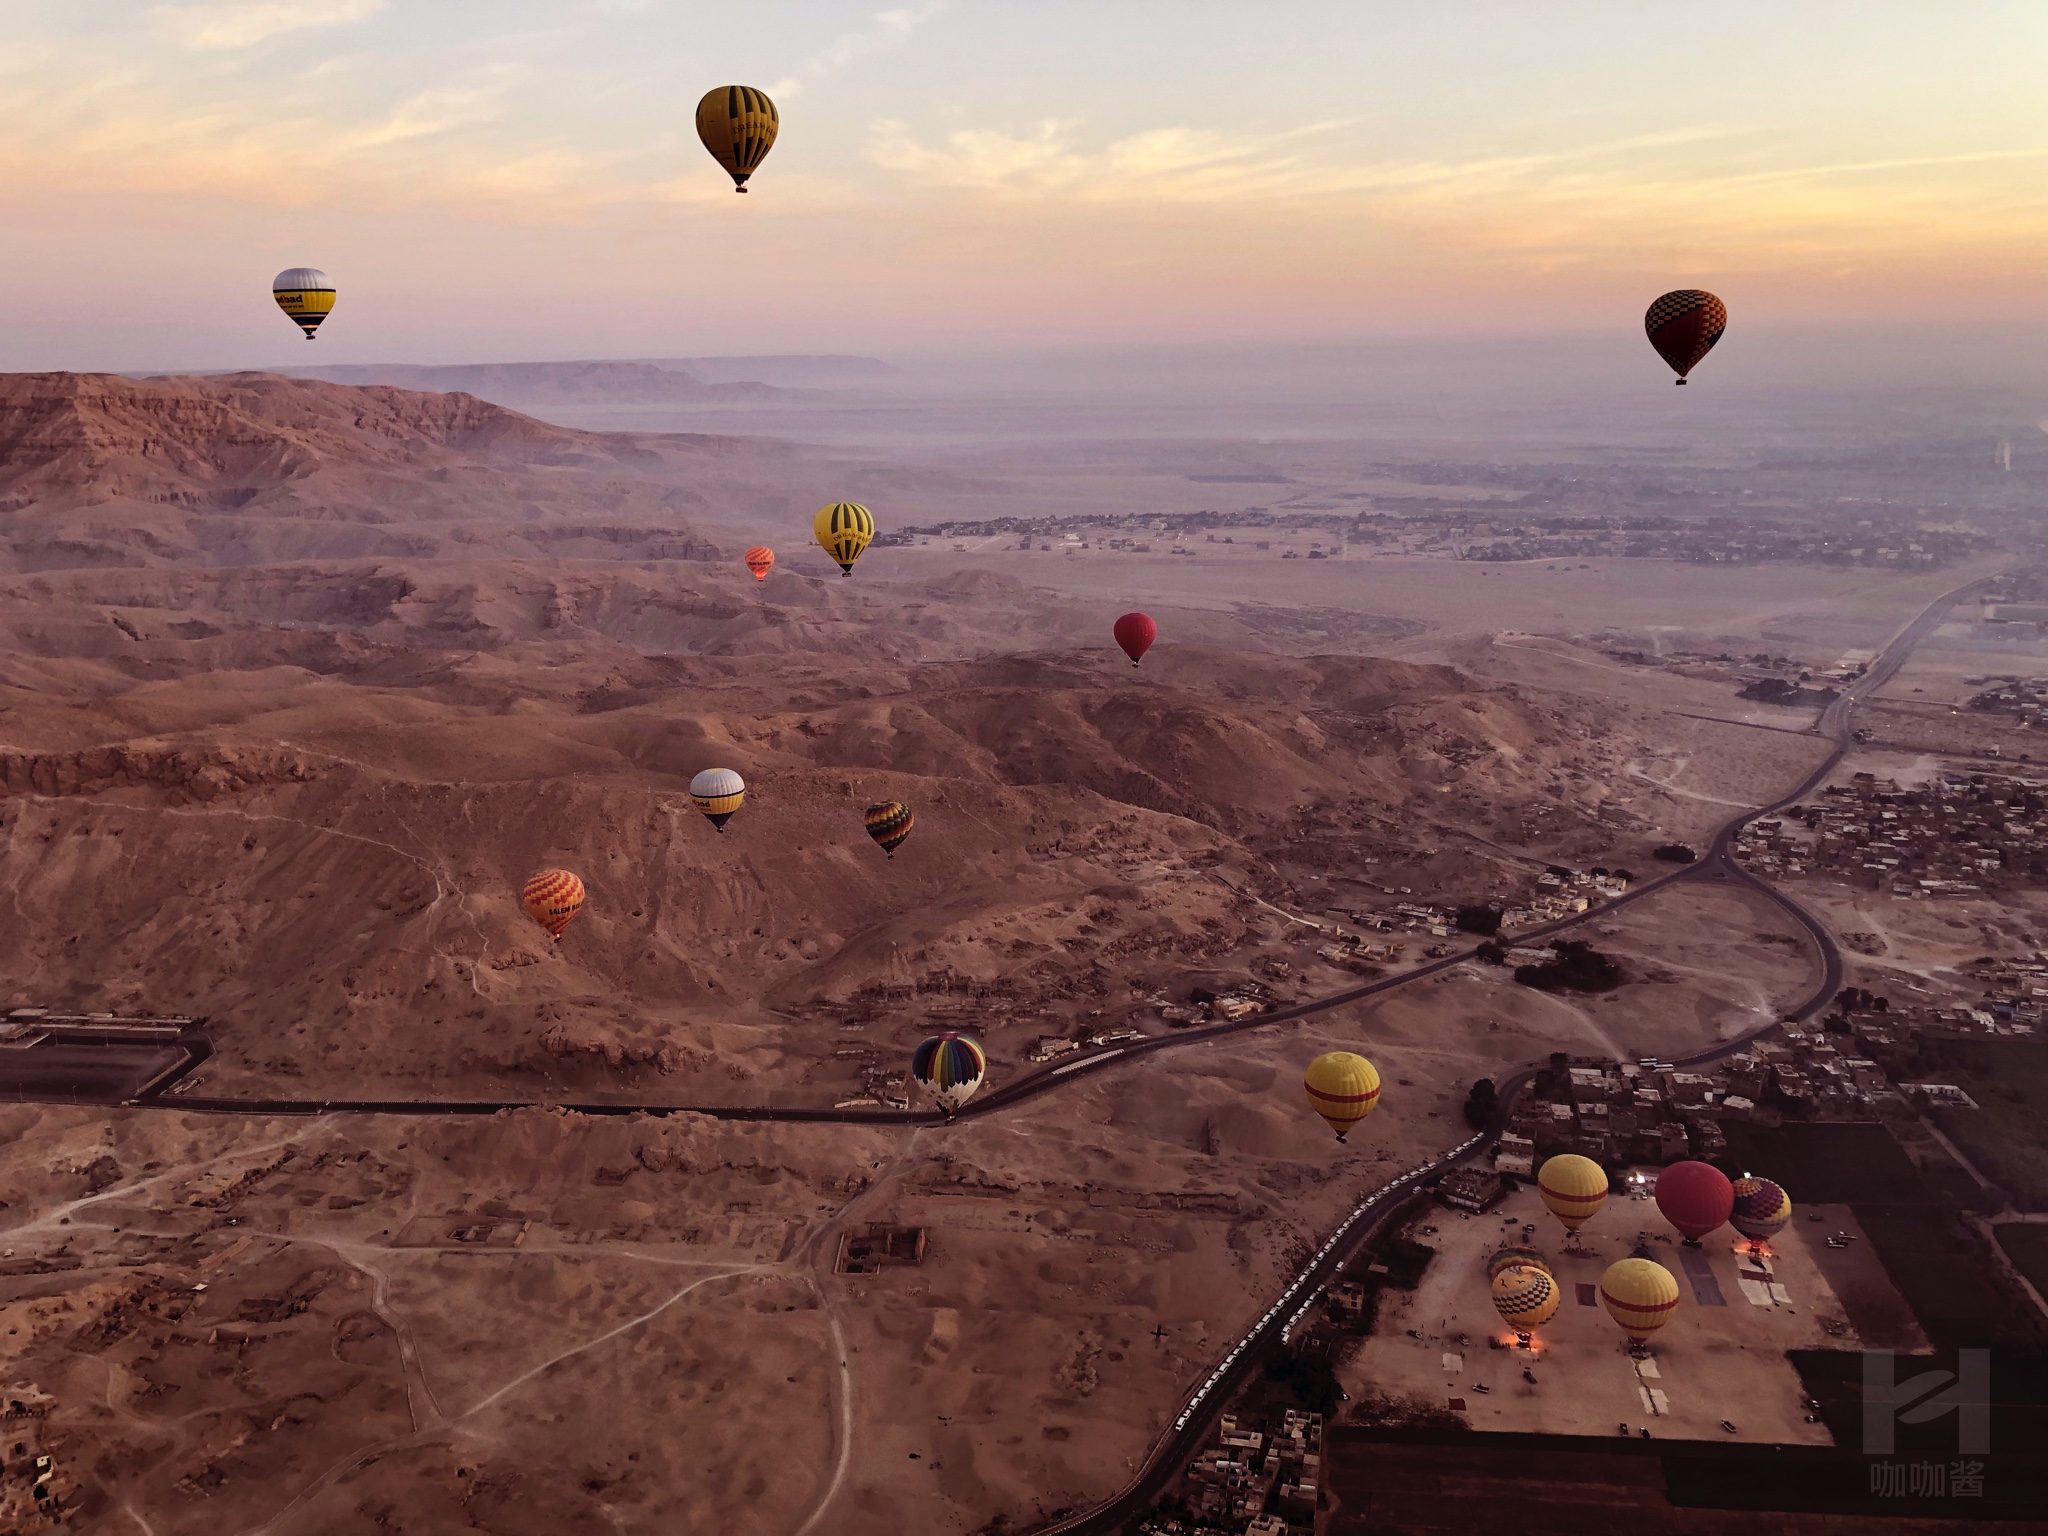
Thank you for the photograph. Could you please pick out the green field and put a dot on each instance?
(1828, 1164)
(2007, 1138)
(2027, 1247)
(1910, 1216)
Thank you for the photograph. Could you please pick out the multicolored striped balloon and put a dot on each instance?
(949, 1068)
(889, 824)
(1761, 1208)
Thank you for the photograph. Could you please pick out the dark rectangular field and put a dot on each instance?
(1422, 1482)
(91, 1073)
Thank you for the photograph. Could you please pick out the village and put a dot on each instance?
(1962, 834)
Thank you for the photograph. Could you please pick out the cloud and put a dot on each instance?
(245, 23)
(890, 27)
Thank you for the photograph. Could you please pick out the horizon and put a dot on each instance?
(977, 179)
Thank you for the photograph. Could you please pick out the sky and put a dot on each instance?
(513, 179)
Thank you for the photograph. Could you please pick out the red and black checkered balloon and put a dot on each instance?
(1684, 325)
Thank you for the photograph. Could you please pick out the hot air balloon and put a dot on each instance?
(949, 1067)
(552, 898)
(737, 124)
(1135, 632)
(305, 295)
(1684, 325)
(1343, 1088)
(1513, 1255)
(844, 529)
(1525, 1298)
(1761, 1208)
(760, 560)
(718, 793)
(889, 824)
(1695, 1198)
(1573, 1188)
(1640, 1294)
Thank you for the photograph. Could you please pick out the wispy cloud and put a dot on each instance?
(245, 23)
(890, 27)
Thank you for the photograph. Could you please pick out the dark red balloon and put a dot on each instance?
(1695, 1198)
(1135, 632)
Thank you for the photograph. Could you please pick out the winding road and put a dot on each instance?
(1190, 1425)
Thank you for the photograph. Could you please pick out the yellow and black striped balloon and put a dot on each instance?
(889, 824)
(844, 529)
(737, 124)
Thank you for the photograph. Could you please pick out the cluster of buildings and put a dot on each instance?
(2025, 697)
(1956, 836)
(1648, 1114)
(1260, 1481)
(1721, 541)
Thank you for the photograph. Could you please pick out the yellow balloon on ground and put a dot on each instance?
(305, 295)
(1525, 1297)
(1573, 1188)
(1343, 1088)
(737, 124)
(1513, 1256)
(1640, 1294)
(844, 529)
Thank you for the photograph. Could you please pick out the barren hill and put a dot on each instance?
(545, 384)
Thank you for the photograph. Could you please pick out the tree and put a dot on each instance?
(1481, 1103)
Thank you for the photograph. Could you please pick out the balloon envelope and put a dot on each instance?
(1640, 1294)
(889, 824)
(552, 898)
(737, 125)
(1683, 326)
(1761, 1208)
(1573, 1188)
(718, 792)
(1524, 1297)
(760, 560)
(1135, 633)
(1695, 1197)
(1513, 1255)
(843, 530)
(948, 1067)
(305, 295)
(1343, 1088)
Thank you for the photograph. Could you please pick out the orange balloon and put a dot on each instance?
(552, 898)
(760, 560)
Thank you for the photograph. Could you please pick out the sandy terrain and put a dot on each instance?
(305, 680)
(1711, 1362)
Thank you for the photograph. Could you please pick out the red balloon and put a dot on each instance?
(1695, 1198)
(1135, 632)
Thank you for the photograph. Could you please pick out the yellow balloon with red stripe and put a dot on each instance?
(1573, 1188)
(1640, 1294)
(552, 898)
(1343, 1088)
